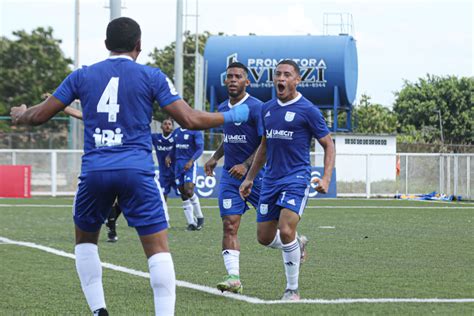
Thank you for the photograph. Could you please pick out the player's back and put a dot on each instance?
(117, 96)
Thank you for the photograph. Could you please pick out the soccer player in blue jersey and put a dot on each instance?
(163, 143)
(117, 98)
(290, 122)
(238, 148)
(188, 147)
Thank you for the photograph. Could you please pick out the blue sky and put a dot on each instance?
(396, 40)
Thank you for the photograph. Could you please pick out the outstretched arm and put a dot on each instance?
(38, 114)
(75, 113)
(190, 118)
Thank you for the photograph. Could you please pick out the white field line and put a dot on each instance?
(248, 299)
(311, 207)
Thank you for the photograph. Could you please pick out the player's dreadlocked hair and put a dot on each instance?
(122, 35)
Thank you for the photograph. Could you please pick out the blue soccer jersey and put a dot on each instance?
(242, 139)
(187, 144)
(117, 98)
(289, 128)
(163, 145)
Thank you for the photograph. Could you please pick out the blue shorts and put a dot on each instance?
(139, 196)
(275, 196)
(230, 202)
(181, 176)
(167, 183)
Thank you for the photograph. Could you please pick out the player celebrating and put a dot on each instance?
(117, 98)
(188, 146)
(163, 143)
(290, 121)
(238, 148)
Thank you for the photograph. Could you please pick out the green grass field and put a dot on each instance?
(375, 249)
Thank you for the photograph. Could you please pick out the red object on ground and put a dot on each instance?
(15, 181)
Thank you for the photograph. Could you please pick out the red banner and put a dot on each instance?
(15, 181)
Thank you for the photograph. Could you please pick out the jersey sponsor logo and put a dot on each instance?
(263, 209)
(107, 137)
(205, 185)
(186, 136)
(227, 203)
(289, 116)
(241, 139)
(280, 134)
(164, 148)
(182, 146)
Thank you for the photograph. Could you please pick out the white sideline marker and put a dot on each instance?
(248, 299)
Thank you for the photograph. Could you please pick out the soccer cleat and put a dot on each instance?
(101, 312)
(302, 241)
(193, 227)
(231, 283)
(111, 232)
(291, 295)
(200, 222)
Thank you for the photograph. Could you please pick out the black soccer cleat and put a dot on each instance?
(193, 227)
(111, 231)
(200, 222)
(101, 312)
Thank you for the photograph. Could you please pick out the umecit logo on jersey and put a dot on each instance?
(164, 148)
(279, 134)
(107, 137)
(242, 139)
(182, 146)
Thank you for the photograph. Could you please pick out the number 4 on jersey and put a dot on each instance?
(108, 100)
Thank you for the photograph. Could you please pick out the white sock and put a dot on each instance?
(231, 261)
(196, 206)
(291, 258)
(163, 282)
(188, 212)
(276, 243)
(89, 270)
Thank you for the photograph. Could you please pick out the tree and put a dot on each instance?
(30, 65)
(421, 105)
(373, 118)
(164, 59)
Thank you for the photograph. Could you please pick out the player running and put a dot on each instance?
(238, 148)
(188, 146)
(290, 121)
(163, 143)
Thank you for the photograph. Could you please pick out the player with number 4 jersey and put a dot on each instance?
(117, 97)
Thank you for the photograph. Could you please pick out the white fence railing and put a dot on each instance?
(55, 172)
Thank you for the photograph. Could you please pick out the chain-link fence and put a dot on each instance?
(55, 172)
